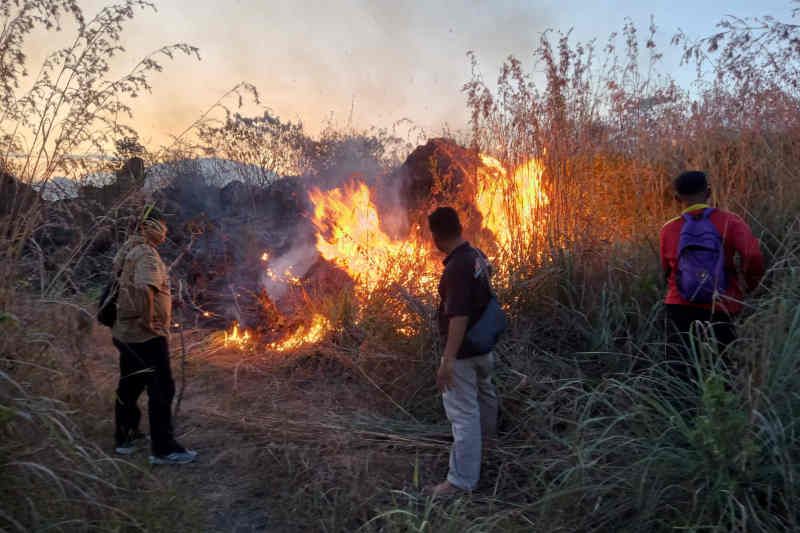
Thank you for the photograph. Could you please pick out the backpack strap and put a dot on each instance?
(704, 215)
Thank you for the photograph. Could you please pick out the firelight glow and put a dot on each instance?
(349, 235)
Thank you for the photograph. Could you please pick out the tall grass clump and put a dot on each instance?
(649, 450)
(52, 476)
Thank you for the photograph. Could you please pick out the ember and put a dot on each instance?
(286, 277)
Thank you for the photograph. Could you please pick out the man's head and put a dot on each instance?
(445, 227)
(154, 231)
(692, 187)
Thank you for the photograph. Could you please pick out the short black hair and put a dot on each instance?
(444, 223)
(691, 182)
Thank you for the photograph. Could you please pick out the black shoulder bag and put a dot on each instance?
(483, 336)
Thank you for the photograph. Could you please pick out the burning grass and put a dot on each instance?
(304, 335)
(512, 204)
(567, 199)
(351, 235)
(400, 272)
(236, 338)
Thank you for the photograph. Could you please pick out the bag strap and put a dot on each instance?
(485, 270)
(117, 275)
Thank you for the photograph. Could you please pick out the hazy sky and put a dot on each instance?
(390, 59)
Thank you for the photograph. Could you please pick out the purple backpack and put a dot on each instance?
(701, 259)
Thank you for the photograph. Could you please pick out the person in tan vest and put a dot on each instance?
(141, 334)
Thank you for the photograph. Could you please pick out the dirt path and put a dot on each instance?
(281, 446)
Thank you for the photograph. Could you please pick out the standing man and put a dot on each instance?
(140, 333)
(464, 378)
(699, 252)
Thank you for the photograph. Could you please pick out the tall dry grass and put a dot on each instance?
(57, 474)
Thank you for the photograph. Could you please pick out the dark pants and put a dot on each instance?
(682, 325)
(145, 365)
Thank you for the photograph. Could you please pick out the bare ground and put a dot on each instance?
(286, 443)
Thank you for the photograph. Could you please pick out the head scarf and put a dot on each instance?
(154, 230)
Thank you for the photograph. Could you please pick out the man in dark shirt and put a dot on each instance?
(464, 377)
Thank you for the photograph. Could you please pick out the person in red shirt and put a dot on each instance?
(743, 264)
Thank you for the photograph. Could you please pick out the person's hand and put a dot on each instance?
(444, 376)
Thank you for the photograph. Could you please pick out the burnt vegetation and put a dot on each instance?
(326, 417)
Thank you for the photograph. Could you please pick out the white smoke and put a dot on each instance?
(279, 271)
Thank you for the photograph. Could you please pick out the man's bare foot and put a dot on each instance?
(444, 490)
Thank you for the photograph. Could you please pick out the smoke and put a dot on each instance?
(280, 272)
(391, 203)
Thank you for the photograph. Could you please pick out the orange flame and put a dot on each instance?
(305, 335)
(350, 235)
(510, 206)
(236, 338)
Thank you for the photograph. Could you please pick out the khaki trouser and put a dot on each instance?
(471, 407)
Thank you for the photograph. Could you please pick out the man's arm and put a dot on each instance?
(456, 330)
(146, 279)
(749, 249)
(663, 249)
(144, 298)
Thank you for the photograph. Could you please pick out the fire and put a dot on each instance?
(286, 277)
(305, 335)
(510, 206)
(349, 234)
(236, 338)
